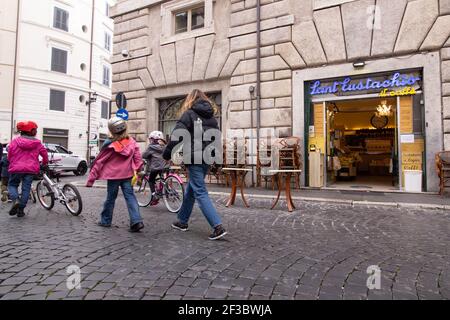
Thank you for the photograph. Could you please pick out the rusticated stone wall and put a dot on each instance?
(294, 36)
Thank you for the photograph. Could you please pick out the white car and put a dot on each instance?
(69, 161)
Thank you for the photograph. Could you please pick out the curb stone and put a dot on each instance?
(351, 203)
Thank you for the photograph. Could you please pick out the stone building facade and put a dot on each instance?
(301, 40)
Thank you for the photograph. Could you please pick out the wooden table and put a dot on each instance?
(237, 179)
(287, 174)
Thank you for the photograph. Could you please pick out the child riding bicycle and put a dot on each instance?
(155, 162)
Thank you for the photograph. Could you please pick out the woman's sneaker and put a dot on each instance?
(180, 226)
(20, 213)
(218, 233)
(137, 227)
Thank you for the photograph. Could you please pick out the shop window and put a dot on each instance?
(169, 112)
(61, 19)
(418, 116)
(57, 100)
(59, 60)
(56, 136)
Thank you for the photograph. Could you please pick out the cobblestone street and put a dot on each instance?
(321, 251)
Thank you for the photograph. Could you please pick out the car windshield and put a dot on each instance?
(61, 150)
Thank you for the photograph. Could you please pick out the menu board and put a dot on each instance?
(406, 115)
(412, 156)
(318, 140)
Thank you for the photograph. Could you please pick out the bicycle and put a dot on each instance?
(168, 186)
(48, 191)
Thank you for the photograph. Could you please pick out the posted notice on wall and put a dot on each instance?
(407, 138)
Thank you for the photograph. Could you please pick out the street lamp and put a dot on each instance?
(92, 99)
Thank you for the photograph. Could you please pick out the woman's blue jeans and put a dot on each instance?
(130, 198)
(196, 190)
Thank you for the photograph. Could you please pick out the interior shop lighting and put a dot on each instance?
(383, 110)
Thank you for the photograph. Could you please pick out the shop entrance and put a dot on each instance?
(361, 144)
(367, 143)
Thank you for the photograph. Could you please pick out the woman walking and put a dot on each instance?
(197, 109)
(117, 162)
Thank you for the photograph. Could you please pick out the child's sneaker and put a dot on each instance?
(20, 213)
(155, 199)
(14, 209)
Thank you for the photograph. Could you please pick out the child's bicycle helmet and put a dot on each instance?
(117, 125)
(156, 135)
(26, 126)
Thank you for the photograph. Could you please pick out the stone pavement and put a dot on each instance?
(320, 251)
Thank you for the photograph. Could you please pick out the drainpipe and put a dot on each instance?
(258, 70)
(15, 70)
(88, 152)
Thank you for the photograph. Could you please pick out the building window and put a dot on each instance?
(106, 76)
(57, 100)
(107, 41)
(55, 137)
(188, 20)
(320, 4)
(59, 60)
(105, 109)
(183, 19)
(169, 110)
(61, 19)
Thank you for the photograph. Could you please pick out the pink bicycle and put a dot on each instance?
(168, 187)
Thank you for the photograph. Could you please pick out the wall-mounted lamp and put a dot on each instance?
(359, 64)
(92, 98)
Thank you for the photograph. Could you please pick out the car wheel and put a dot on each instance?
(82, 169)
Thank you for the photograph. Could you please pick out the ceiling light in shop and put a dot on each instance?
(383, 110)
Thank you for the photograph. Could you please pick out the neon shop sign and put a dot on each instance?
(348, 85)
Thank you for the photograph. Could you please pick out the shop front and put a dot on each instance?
(368, 131)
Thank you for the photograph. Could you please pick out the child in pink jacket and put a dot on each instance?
(117, 162)
(23, 157)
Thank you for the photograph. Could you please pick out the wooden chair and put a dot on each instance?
(290, 158)
(236, 155)
(442, 160)
(267, 159)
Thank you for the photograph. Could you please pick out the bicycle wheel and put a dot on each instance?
(173, 194)
(143, 193)
(45, 195)
(73, 197)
